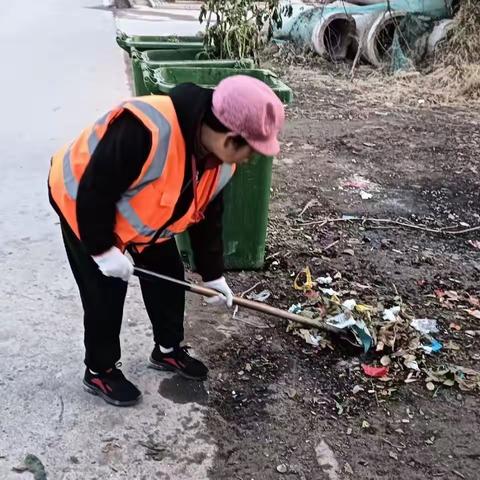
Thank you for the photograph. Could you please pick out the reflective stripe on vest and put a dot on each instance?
(154, 170)
(71, 183)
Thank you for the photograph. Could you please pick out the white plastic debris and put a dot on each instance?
(357, 389)
(412, 364)
(329, 291)
(425, 325)
(327, 280)
(309, 338)
(385, 360)
(341, 321)
(390, 314)
(473, 333)
(365, 195)
(349, 304)
(260, 297)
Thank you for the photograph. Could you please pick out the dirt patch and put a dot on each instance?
(275, 399)
(287, 404)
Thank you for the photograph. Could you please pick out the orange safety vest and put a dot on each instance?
(149, 202)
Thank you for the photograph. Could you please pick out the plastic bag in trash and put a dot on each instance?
(425, 325)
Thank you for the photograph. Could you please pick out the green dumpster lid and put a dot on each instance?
(163, 79)
(170, 54)
(151, 62)
(156, 42)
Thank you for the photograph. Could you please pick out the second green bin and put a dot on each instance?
(153, 59)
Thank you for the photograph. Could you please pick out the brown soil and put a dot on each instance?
(275, 398)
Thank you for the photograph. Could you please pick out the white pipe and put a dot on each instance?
(288, 21)
(372, 50)
(333, 35)
(439, 33)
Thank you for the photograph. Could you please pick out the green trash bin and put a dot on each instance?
(155, 42)
(247, 196)
(152, 59)
(173, 47)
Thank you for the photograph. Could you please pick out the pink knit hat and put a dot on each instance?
(250, 108)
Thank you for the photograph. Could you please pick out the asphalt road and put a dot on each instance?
(61, 70)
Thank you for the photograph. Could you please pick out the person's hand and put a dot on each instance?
(113, 263)
(221, 286)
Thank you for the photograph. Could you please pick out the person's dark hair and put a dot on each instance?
(216, 125)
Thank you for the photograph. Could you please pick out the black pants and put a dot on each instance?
(103, 299)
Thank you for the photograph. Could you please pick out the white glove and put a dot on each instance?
(113, 263)
(221, 286)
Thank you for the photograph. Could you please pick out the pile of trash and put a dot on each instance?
(394, 344)
(382, 33)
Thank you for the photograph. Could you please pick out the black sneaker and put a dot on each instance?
(178, 361)
(112, 386)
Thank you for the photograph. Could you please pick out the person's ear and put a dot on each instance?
(229, 141)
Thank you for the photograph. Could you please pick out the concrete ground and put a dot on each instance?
(170, 19)
(62, 69)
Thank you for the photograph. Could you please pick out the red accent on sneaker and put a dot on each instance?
(102, 385)
(173, 362)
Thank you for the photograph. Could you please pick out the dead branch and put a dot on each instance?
(444, 230)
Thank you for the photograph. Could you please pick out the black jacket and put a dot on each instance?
(117, 162)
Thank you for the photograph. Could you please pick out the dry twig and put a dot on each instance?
(444, 230)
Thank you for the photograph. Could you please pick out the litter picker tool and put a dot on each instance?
(241, 302)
